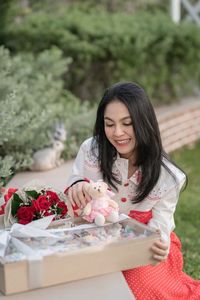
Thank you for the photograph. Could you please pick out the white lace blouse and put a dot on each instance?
(161, 201)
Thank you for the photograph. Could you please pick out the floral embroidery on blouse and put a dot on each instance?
(157, 193)
(153, 196)
(116, 173)
(91, 161)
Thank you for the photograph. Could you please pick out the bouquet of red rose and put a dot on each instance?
(28, 204)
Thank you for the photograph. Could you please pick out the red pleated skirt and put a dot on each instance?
(166, 281)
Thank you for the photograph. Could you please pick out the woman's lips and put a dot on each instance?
(122, 142)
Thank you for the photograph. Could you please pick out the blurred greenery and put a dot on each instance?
(32, 101)
(111, 45)
(188, 210)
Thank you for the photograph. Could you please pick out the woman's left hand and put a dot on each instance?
(160, 250)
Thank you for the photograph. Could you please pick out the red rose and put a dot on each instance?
(23, 222)
(41, 203)
(47, 213)
(63, 208)
(9, 194)
(52, 196)
(25, 214)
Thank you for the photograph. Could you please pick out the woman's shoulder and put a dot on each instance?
(87, 144)
(171, 174)
(171, 179)
(90, 152)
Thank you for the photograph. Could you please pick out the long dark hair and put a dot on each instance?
(148, 141)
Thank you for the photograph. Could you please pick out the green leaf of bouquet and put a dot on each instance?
(16, 201)
(32, 194)
(59, 210)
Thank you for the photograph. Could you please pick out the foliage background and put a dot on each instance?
(109, 43)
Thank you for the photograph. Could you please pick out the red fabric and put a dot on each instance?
(141, 216)
(166, 281)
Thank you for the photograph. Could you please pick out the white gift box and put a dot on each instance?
(37, 271)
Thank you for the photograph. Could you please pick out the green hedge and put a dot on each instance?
(32, 101)
(108, 47)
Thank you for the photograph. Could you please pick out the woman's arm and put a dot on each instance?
(84, 169)
(163, 215)
(164, 209)
(77, 183)
(77, 174)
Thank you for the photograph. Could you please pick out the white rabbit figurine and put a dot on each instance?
(60, 133)
(48, 158)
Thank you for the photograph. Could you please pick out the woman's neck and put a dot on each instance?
(131, 169)
(131, 164)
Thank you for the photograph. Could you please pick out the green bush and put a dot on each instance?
(109, 47)
(31, 102)
(79, 120)
(28, 93)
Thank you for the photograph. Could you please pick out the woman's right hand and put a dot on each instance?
(78, 195)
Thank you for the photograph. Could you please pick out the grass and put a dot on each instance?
(187, 216)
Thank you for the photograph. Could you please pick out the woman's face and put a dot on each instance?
(119, 128)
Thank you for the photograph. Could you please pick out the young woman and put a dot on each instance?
(126, 152)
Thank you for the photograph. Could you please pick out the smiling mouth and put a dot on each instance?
(123, 142)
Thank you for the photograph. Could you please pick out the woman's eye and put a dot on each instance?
(127, 124)
(108, 125)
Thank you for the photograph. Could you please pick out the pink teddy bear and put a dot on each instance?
(101, 208)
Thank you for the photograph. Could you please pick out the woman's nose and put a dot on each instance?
(118, 131)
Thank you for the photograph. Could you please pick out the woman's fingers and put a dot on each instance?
(78, 195)
(159, 258)
(70, 197)
(161, 244)
(160, 250)
(85, 192)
